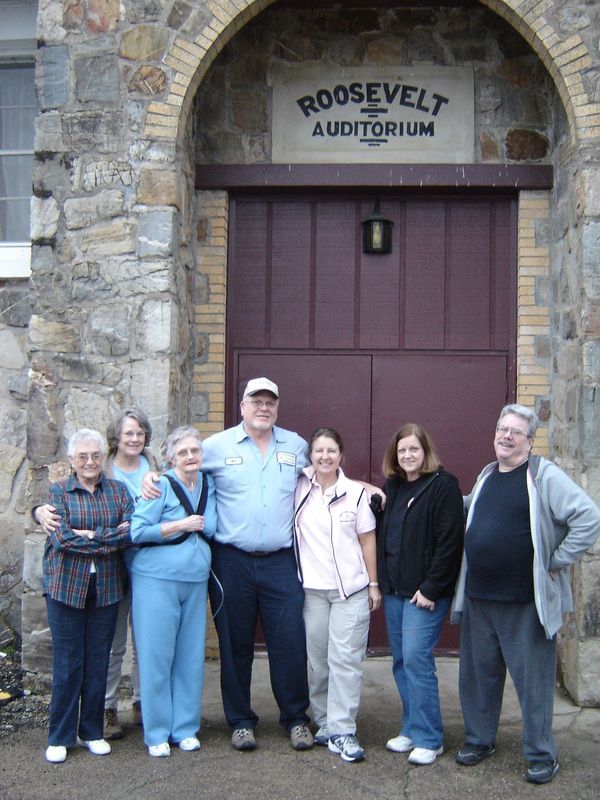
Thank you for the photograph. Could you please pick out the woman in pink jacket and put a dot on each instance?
(335, 547)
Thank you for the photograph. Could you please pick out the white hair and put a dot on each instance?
(83, 435)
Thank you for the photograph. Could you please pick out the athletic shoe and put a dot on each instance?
(322, 736)
(161, 750)
(97, 747)
(542, 771)
(243, 739)
(346, 744)
(400, 744)
(189, 744)
(471, 754)
(56, 753)
(300, 737)
(421, 755)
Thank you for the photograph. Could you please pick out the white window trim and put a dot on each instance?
(15, 260)
(18, 45)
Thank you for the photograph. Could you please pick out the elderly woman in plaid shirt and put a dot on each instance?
(84, 580)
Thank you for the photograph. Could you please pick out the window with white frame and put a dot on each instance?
(17, 118)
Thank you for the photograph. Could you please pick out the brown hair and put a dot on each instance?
(431, 462)
(330, 433)
(113, 431)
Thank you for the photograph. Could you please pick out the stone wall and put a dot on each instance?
(15, 311)
(128, 281)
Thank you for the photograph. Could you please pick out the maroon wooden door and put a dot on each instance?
(365, 343)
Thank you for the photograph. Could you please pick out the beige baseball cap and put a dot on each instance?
(256, 385)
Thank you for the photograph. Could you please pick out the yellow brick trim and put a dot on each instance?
(533, 319)
(209, 317)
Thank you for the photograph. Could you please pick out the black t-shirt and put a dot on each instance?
(393, 541)
(498, 543)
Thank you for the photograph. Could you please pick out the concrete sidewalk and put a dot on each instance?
(275, 771)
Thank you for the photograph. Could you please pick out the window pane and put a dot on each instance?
(15, 194)
(17, 107)
(17, 115)
(14, 220)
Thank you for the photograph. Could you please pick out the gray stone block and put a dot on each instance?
(53, 76)
(97, 79)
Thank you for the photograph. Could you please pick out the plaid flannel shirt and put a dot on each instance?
(68, 556)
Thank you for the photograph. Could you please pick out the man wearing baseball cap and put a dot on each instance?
(255, 466)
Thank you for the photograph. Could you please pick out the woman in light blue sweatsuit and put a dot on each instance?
(169, 574)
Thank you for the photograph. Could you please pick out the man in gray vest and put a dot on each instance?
(527, 522)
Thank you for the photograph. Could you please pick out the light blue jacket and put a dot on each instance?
(565, 523)
(188, 561)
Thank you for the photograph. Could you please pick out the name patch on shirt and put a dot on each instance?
(233, 461)
(287, 458)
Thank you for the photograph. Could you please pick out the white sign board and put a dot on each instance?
(372, 114)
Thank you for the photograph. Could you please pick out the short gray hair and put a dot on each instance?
(82, 435)
(174, 438)
(530, 417)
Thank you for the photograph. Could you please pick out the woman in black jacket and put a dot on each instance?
(419, 546)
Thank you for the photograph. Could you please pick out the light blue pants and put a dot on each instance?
(169, 618)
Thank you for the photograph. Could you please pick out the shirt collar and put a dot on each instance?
(72, 483)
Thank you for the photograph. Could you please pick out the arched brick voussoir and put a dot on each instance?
(190, 59)
(565, 57)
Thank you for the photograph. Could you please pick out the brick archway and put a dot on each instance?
(191, 56)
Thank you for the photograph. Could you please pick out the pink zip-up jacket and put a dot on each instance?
(350, 570)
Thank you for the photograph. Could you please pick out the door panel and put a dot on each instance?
(319, 390)
(455, 397)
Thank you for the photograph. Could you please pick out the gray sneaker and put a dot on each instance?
(346, 744)
(322, 736)
(300, 737)
(243, 739)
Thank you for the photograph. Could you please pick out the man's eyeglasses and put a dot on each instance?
(514, 432)
(270, 404)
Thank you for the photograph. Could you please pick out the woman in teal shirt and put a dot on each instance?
(169, 574)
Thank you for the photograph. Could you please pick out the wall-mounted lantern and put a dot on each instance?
(377, 233)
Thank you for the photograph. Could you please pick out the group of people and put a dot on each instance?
(294, 543)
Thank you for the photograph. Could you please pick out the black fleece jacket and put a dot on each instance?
(432, 537)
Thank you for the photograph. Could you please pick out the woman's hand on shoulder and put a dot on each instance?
(150, 491)
(47, 518)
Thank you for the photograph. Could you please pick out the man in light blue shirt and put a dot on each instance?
(255, 466)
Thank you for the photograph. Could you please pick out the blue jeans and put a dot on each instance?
(413, 633)
(265, 589)
(81, 642)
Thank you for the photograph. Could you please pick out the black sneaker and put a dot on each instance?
(542, 771)
(471, 754)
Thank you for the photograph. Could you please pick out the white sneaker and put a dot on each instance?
(189, 744)
(421, 755)
(97, 747)
(56, 753)
(160, 750)
(400, 744)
